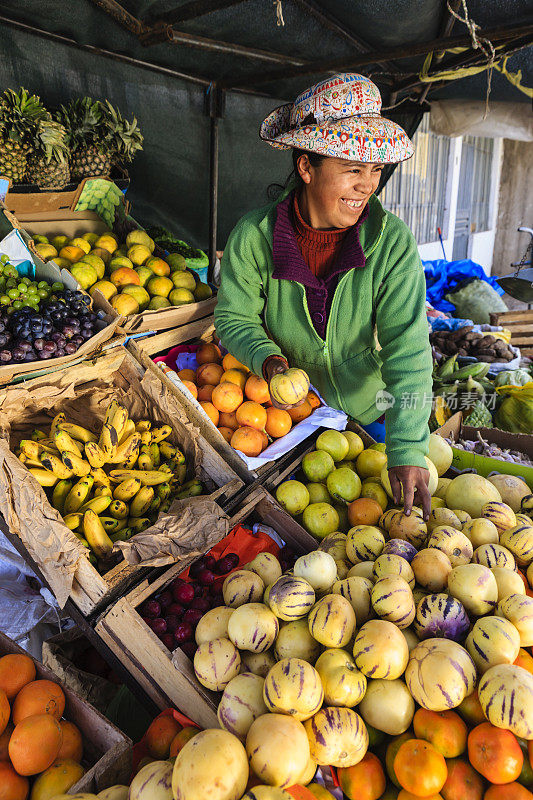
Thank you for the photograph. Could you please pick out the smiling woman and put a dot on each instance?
(321, 274)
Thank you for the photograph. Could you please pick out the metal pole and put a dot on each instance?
(213, 196)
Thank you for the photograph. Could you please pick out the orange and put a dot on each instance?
(125, 304)
(124, 276)
(364, 781)
(364, 511)
(158, 266)
(420, 768)
(495, 753)
(187, 375)
(35, 743)
(313, 399)
(39, 697)
(160, 735)
(15, 672)
(278, 422)
(211, 412)
(256, 389)
(5, 711)
(72, 253)
(72, 743)
(511, 791)
(236, 376)
(208, 353)
(471, 711)
(227, 397)
(524, 660)
(12, 786)
(463, 782)
(405, 795)
(248, 440)
(230, 362)
(181, 739)
(444, 729)
(227, 433)
(301, 412)
(228, 419)
(205, 392)
(392, 748)
(192, 388)
(159, 286)
(4, 741)
(251, 415)
(209, 373)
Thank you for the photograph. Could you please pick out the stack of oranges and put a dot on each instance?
(238, 402)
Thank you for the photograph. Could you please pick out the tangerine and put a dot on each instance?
(72, 743)
(230, 362)
(511, 791)
(471, 711)
(227, 397)
(236, 376)
(444, 729)
(181, 739)
(35, 743)
(5, 711)
(313, 399)
(15, 672)
(39, 697)
(208, 353)
(495, 753)
(251, 415)
(124, 276)
(211, 412)
(420, 768)
(249, 441)
(187, 375)
(209, 373)
(205, 392)
(4, 742)
(160, 735)
(301, 412)
(463, 782)
(278, 422)
(524, 660)
(363, 781)
(256, 389)
(228, 419)
(12, 786)
(227, 433)
(192, 388)
(364, 511)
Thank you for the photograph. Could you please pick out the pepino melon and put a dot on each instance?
(392, 564)
(318, 568)
(293, 687)
(253, 627)
(337, 737)
(242, 702)
(332, 621)
(153, 780)
(440, 453)
(364, 543)
(519, 540)
(387, 706)
(492, 641)
(470, 492)
(216, 663)
(506, 697)
(344, 684)
(295, 641)
(357, 591)
(512, 489)
(291, 598)
(440, 674)
(392, 600)
(380, 650)
(518, 609)
(211, 765)
(494, 555)
(278, 750)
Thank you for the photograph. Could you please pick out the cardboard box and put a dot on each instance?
(107, 752)
(485, 466)
(168, 677)
(24, 504)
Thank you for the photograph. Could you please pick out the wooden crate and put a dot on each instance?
(107, 751)
(520, 323)
(168, 678)
(90, 589)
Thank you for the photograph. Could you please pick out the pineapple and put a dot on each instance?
(124, 138)
(20, 114)
(48, 164)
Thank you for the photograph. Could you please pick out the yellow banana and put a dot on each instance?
(128, 430)
(77, 432)
(57, 420)
(158, 434)
(94, 455)
(120, 420)
(141, 502)
(118, 509)
(146, 437)
(94, 531)
(122, 523)
(110, 411)
(103, 491)
(34, 450)
(65, 443)
(163, 491)
(181, 473)
(78, 494)
(97, 504)
(168, 450)
(59, 495)
(37, 435)
(191, 489)
(110, 524)
(127, 489)
(78, 465)
(73, 521)
(144, 460)
(108, 441)
(128, 450)
(138, 524)
(101, 478)
(111, 432)
(143, 425)
(30, 462)
(55, 465)
(154, 506)
(155, 455)
(147, 478)
(44, 477)
(121, 536)
(166, 468)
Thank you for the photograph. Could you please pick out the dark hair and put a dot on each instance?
(314, 159)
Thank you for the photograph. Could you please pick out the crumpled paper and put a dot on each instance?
(189, 529)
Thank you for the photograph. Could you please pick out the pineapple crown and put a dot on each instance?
(51, 142)
(20, 114)
(124, 138)
(91, 123)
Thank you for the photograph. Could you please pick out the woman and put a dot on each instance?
(326, 280)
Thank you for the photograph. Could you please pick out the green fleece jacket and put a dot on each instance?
(258, 316)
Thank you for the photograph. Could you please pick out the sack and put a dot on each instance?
(476, 300)
(515, 414)
(443, 277)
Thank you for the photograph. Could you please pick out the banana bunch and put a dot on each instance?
(108, 486)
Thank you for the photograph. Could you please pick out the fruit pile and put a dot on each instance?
(190, 603)
(238, 402)
(128, 275)
(38, 747)
(110, 486)
(39, 320)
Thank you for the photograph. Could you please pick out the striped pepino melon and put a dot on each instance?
(386, 518)
(523, 519)
(278, 750)
(475, 586)
(213, 625)
(380, 650)
(391, 564)
(440, 674)
(289, 387)
(295, 641)
(519, 540)
(364, 543)
(335, 545)
(216, 663)
(254, 627)
(441, 616)
(212, 764)
(462, 516)
(508, 582)
(291, 598)
(332, 621)
(399, 547)
(500, 514)
(344, 684)
(153, 780)
(452, 543)
(258, 663)
(443, 516)
(506, 697)
(293, 687)
(241, 703)
(357, 591)
(481, 531)
(267, 793)
(337, 737)
(518, 609)
(493, 641)
(267, 566)
(242, 586)
(317, 568)
(392, 600)
(412, 528)
(470, 492)
(512, 489)
(494, 555)
(365, 569)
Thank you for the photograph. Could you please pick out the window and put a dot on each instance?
(481, 149)
(416, 191)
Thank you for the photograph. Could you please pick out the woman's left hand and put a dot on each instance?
(414, 481)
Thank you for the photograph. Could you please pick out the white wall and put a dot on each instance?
(433, 250)
(481, 245)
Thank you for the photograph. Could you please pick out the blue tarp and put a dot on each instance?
(443, 277)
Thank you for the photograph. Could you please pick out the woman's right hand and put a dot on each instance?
(276, 366)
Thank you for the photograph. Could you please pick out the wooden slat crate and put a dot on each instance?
(168, 678)
(92, 590)
(520, 323)
(107, 751)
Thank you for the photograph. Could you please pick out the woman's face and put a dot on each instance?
(336, 192)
